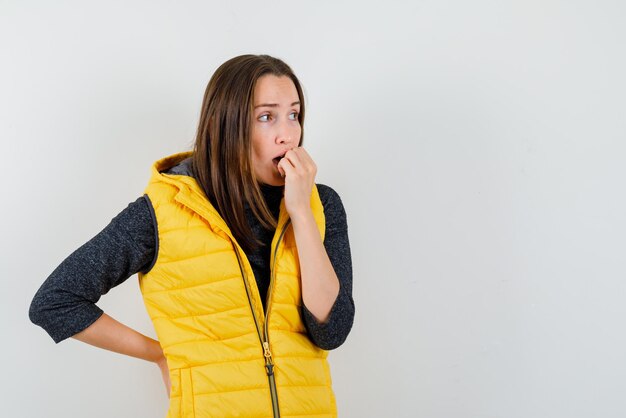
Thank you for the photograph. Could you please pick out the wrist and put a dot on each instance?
(161, 361)
(155, 354)
(302, 216)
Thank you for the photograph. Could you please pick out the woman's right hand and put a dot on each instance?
(112, 335)
(165, 372)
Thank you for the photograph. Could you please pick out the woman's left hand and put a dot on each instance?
(299, 170)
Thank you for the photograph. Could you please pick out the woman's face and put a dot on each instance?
(275, 128)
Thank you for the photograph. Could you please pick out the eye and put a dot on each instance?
(264, 118)
(293, 116)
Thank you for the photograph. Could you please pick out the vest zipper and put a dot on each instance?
(264, 338)
(269, 363)
(269, 368)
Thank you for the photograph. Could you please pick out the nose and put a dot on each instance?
(284, 140)
(287, 133)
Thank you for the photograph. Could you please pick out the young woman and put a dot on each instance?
(243, 260)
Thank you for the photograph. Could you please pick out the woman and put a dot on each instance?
(243, 261)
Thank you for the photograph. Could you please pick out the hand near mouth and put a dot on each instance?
(299, 170)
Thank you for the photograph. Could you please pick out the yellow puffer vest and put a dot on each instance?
(227, 357)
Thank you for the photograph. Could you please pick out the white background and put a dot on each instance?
(478, 147)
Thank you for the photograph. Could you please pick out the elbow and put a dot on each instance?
(331, 336)
(331, 344)
(35, 311)
(342, 338)
(40, 308)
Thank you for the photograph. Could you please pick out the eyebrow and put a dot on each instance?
(274, 104)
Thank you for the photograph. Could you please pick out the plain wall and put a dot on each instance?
(478, 147)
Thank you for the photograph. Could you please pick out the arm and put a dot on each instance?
(65, 304)
(334, 330)
(320, 285)
(326, 284)
(111, 335)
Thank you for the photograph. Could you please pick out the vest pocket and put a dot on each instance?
(187, 409)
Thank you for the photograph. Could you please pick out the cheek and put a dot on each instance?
(262, 144)
(259, 153)
(256, 142)
(297, 130)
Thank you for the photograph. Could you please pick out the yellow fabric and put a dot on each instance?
(203, 299)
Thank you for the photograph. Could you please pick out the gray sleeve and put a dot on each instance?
(65, 304)
(332, 333)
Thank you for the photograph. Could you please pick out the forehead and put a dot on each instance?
(273, 89)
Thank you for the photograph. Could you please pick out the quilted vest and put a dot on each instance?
(227, 356)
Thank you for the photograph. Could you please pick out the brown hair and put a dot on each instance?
(222, 157)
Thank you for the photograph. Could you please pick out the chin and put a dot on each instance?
(272, 180)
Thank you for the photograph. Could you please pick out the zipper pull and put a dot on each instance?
(266, 352)
(269, 364)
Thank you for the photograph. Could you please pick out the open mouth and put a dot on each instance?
(276, 160)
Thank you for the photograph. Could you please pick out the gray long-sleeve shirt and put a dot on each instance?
(65, 304)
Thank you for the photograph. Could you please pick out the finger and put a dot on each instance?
(305, 162)
(301, 160)
(292, 157)
(303, 154)
(286, 167)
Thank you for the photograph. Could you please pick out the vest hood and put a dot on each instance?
(169, 170)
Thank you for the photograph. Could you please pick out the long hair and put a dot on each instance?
(222, 157)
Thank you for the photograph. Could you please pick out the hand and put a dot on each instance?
(165, 373)
(299, 170)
